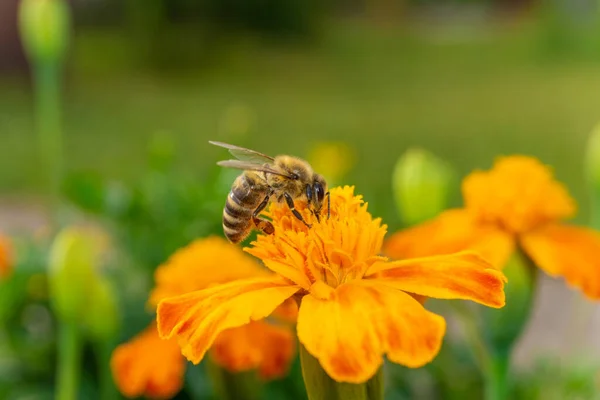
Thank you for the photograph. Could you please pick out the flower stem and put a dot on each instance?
(497, 377)
(320, 386)
(48, 112)
(233, 386)
(69, 356)
(107, 388)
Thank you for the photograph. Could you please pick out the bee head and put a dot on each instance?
(315, 193)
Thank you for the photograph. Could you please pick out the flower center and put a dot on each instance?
(332, 251)
(518, 194)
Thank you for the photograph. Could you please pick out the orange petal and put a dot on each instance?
(257, 345)
(148, 366)
(6, 257)
(202, 263)
(568, 251)
(197, 318)
(287, 311)
(350, 331)
(452, 231)
(455, 276)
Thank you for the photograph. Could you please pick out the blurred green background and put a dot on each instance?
(148, 83)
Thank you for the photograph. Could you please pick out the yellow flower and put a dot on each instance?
(267, 347)
(517, 203)
(6, 257)
(355, 305)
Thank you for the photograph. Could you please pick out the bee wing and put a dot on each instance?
(244, 154)
(250, 166)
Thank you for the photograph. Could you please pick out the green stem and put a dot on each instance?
(69, 357)
(496, 377)
(48, 112)
(107, 386)
(233, 386)
(320, 386)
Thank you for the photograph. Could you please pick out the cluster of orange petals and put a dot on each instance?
(150, 366)
(6, 258)
(355, 305)
(517, 204)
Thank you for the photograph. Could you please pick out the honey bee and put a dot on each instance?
(265, 179)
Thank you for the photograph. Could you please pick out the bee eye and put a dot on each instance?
(309, 193)
(319, 191)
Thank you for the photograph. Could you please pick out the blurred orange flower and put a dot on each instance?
(518, 203)
(148, 366)
(267, 347)
(6, 257)
(355, 305)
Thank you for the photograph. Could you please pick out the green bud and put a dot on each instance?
(592, 172)
(71, 273)
(503, 327)
(44, 26)
(320, 386)
(421, 184)
(102, 318)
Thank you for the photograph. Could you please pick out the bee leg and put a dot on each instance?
(261, 223)
(316, 214)
(328, 204)
(290, 203)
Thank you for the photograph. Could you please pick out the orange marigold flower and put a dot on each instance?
(6, 258)
(148, 366)
(518, 203)
(267, 347)
(355, 305)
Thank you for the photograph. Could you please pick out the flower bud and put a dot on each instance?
(44, 26)
(504, 327)
(421, 184)
(71, 273)
(102, 318)
(592, 171)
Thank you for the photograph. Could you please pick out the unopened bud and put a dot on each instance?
(421, 184)
(73, 258)
(44, 26)
(502, 328)
(102, 317)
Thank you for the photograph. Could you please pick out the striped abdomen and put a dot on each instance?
(246, 194)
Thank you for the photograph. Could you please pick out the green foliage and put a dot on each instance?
(553, 380)
(27, 340)
(162, 211)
